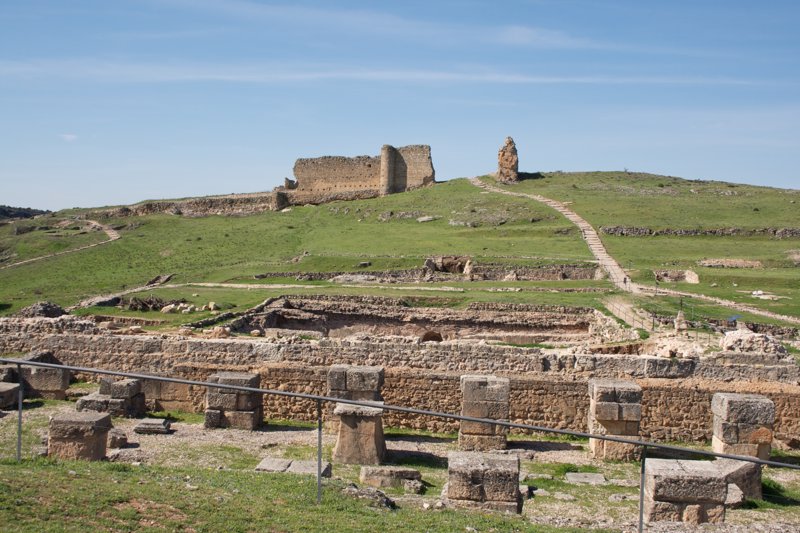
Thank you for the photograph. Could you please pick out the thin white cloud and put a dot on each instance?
(372, 22)
(68, 137)
(267, 73)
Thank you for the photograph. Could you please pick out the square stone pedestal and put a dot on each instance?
(360, 435)
(79, 435)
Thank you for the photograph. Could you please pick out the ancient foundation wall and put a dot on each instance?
(239, 204)
(547, 390)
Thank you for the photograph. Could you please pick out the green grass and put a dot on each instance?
(44, 496)
(658, 202)
(333, 237)
(45, 237)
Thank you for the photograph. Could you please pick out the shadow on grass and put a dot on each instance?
(530, 176)
(30, 404)
(278, 426)
(418, 459)
(543, 445)
(775, 496)
(4, 306)
(418, 438)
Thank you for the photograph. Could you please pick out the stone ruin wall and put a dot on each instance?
(319, 180)
(332, 174)
(546, 390)
(327, 178)
(232, 205)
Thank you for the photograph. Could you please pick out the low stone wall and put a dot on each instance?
(237, 204)
(546, 389)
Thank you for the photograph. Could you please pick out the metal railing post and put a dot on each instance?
(319, 452)
(20, 394)
(641, 490)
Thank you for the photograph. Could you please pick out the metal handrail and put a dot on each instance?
(411, 410)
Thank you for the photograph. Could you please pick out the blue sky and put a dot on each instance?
(115, 101)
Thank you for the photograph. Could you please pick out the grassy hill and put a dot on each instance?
(660, 202)
(466, 221)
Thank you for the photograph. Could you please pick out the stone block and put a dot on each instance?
(725, 431)
(743, 408)
(680, 481)
(126, 388)
(746, 476)
(273, 464)
(360, 438)
(481, 443)
(337, 379)
(248, 420)
(615, 390)
(493, 410)
(93, 402)
(365, 378)
(213, 419)
(630, 412)
(754, 434)
(762, 451)
(309, 468)
(117, 438)
(478, 428)
(387, 476)
(619, 427)
(9, 393)
(49, 383)
(482, 477)
(153, 426)
(603, 411)
(484, 388)
(78, 435)
(349, 409)
(613, 451)
(249, 401)
(105, 386)
(238, 379)
(655, 511)
(219, 399)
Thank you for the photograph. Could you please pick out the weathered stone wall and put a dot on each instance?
(546, 389)
(237, 204)
(413, 168)
(322, 179)
(331, 174)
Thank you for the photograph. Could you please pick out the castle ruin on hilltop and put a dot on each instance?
(317, 180)
(328, 178)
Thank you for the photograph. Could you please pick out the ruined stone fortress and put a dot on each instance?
(334, 177)
(317, 180)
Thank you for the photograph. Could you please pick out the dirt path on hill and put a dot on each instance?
(615, 272)
(111, 233)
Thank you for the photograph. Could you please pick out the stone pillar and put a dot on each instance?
(484, 481)
(615, 408)
(226, 408)
(388, 156)
(742, 424)
(508, 162)
(684, 491)
(78, 435)
(360, 439)
(483, 397)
